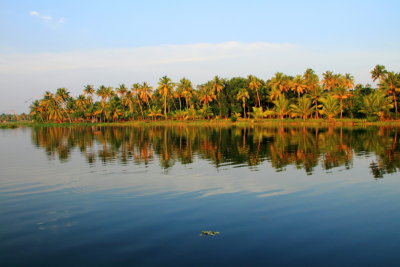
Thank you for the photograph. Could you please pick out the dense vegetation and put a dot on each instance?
(303, 96)
(6, 117)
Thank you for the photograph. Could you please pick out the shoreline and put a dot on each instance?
(216, 123)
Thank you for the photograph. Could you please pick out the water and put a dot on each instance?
(141, 197)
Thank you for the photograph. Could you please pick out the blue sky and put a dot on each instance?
(50, 44)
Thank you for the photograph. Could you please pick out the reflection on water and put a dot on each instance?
(131, 196)
(302, 147)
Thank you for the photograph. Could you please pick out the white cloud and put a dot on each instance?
(46, 18)
(34, 13)
(29, 75)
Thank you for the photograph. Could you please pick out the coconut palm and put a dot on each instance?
(330, 106)
(186, 88)
(311, 80)
(121, 90)
(166, 86)
(341, 93)
(136, 91)
(255, 84)
(303, 108)
(379, 73)
(329, 80)
(279, 82)
(61, 97)
(243, 95)
(298, 85)
(146, 93)
(376, 104)
(391, 82)
(281, 106)
(217, 85)
(206, 96)
(89, 92)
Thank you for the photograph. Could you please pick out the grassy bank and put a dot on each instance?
(220, 122)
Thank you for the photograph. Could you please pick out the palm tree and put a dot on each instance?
(206, 96)
(330, 107)
(61, 97)
(166, 86)
(341, 93)
(348, 81)
(281, 106)
(303, 108)
(391, 82)
(376, 104)
(255, 84)
(298, 85)
(279, 82)
(242, 95)
(311, 79)
(379, 73)
(81, 102)
(186, 88)
(146, 93)
(136, 91)
(89, 91)
(128, 101)
(329, 80)
(217, 86)
(121, 90)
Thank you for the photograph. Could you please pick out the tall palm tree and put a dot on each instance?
(206, 96)
(146, 93)
(298, 85)
(61, 97)
(186, 88)
(379, 73)
(89, 92)
(217, 85)
(121, 90)
(329, 80)
(166, 86)
(243, 95)
(341, 93)
(255, 84)
(136, 92)
(316, 95)
(391, 82)
(279, 82)
(311, 79)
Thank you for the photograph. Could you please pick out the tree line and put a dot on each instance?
(305, 96)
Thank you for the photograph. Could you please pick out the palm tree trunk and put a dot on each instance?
(244, 109)
(258, 98)
(165, 106)
(395, 103)
(341, 108)
(180, 104)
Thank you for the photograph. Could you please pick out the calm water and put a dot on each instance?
(141, 197)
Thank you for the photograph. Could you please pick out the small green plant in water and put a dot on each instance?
(208, 232)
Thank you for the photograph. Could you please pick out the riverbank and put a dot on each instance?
(214, 122)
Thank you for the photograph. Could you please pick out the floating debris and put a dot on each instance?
(208, 232)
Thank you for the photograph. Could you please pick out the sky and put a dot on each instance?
(45, 45)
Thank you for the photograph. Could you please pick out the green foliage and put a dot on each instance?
(283, 96)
